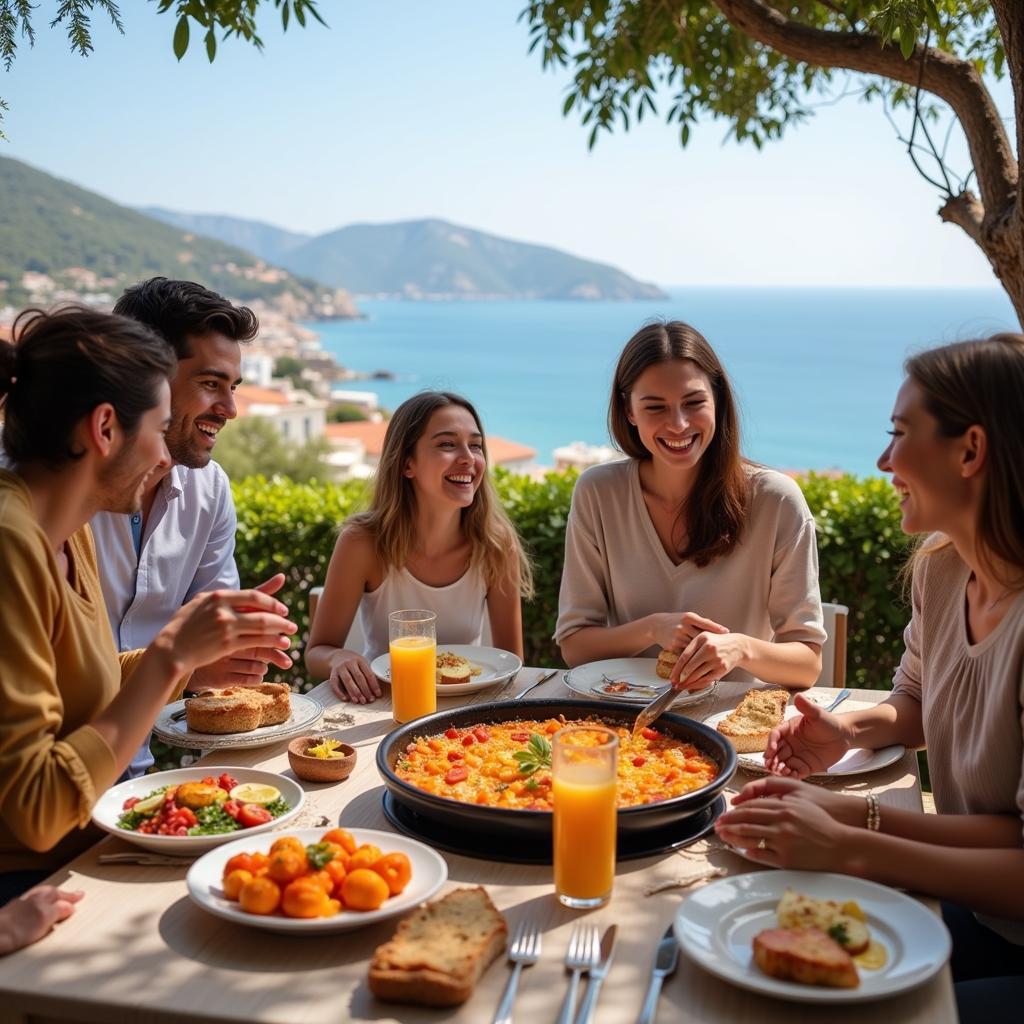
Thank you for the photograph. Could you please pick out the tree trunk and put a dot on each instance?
(995, 221)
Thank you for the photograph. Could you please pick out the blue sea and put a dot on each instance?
(815, 370)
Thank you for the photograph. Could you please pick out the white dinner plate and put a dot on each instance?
(854, 762)
(588, 680)
(716, 926)
(110, 807)
(306, 712)
(429, 872)
(498, 667)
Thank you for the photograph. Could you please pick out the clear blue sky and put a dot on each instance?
(406, 109)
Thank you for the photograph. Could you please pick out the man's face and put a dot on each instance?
(202, 397)
(126, 472)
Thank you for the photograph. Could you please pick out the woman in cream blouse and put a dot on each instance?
(685, 545)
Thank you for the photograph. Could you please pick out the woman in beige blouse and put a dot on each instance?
(955, 459)
(684, 545)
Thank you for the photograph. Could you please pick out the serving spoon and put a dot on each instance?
(650, 712)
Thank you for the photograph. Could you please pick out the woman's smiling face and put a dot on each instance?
(448, 462)
(672, 407)
(925, 466)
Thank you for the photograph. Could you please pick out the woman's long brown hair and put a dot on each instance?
(391, 518)
(715, 512)
(981, 383)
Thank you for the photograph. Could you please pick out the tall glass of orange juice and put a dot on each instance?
(583, 767)
(413, 648)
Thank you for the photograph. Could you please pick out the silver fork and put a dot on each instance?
(523, 951)
(582, 955)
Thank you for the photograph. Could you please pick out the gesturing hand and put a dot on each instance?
(248, 666)
(220, 623)
(808, 743)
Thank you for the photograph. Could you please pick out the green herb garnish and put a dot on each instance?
(319, 854)
(537, 755)
(838, 932)
(532, 783)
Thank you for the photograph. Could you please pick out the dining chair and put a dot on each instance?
(354, 640)
(833, 650)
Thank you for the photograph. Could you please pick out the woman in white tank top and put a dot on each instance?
(435, 537)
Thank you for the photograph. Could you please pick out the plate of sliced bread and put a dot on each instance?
(812, 936)
(749, 724)
(630, 680)
(462, 668)
(237, 717)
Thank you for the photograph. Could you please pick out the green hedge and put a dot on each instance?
(291, 528)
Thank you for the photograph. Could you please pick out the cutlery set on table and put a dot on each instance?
(585, 956)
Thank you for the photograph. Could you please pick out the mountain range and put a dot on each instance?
(421, 259)
(59, 241)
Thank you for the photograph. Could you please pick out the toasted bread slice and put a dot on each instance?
(439, 952)
(748, 726)
(804, 955)
(666, 662)
(795, 910)
(453, 668)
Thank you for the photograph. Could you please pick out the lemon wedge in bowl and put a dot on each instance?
(255, 793)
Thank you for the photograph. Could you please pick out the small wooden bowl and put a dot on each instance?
(320, 769)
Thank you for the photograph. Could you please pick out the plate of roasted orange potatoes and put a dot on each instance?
(316, 879)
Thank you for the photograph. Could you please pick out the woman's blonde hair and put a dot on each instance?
(391, 518)
(981, 383)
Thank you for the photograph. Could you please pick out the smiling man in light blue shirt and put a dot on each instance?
(182, 542)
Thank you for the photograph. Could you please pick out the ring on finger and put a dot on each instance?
(762, 843)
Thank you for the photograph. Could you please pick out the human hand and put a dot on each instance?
(221, 623)
(248, 666)
(791, 831)
(674, 631)
(352, 678)
(29, 917)
(807, 743)
(850, 810)
(706, 658)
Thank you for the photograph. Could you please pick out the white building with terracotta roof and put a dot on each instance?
(297, 414)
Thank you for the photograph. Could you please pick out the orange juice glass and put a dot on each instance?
(413, 648)
(583, 767)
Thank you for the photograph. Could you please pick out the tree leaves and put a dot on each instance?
(181, 37)
(624, 55)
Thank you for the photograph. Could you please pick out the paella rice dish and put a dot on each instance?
(508, 764)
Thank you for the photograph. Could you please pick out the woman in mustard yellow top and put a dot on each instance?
(86, 405)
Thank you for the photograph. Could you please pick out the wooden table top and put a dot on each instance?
(138, 950)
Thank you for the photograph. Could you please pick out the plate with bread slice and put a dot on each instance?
(462, 668)
(812, 936)
(237, 717)
(630, 681)
(749, 724)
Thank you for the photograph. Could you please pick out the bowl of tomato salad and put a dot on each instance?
(192, 810)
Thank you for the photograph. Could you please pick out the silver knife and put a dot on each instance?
(542, 678)
(597, 976)
(665, 959)
(649, 712)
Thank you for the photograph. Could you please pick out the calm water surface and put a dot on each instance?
(815, 371)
